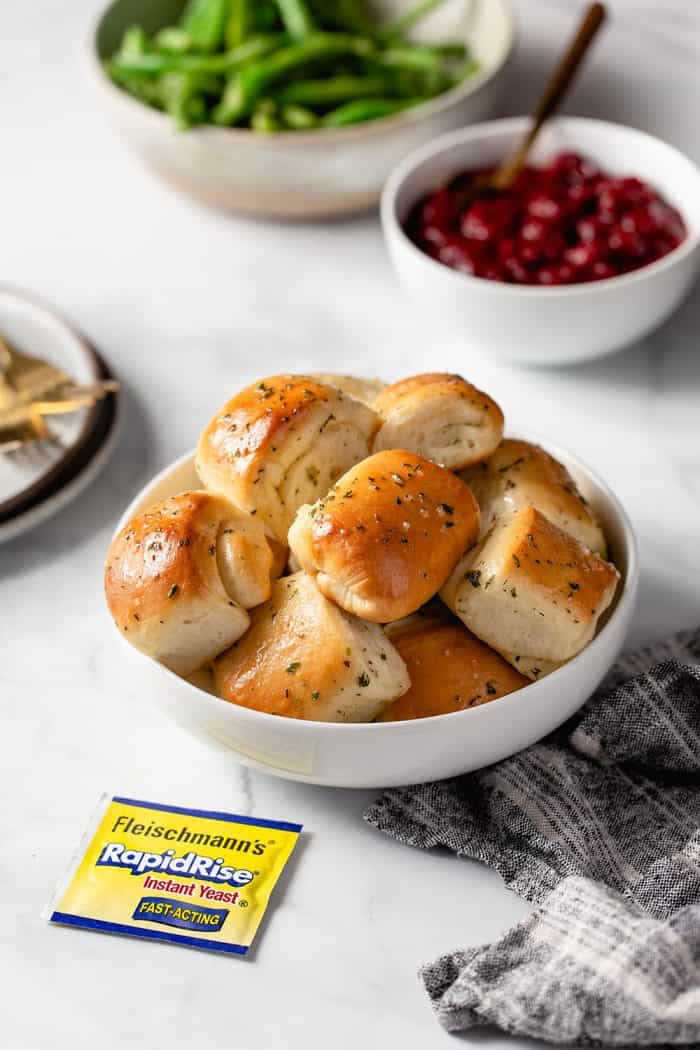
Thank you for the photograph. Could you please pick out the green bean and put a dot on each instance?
(410, 84)
(331, 91)
(228, 62)
(146, 89)
(366, 109)
(144, 65)
(265, 16)
(281, 64)
(134, 42)
(264, 116)
(265, 123)
(238, 23)
(350, 16)
(420, 59)
(268, 106)
(450, 50)
(245, 88)
(181, 95)
(407, 20)
(233, 104)
(298, 118)
(173, 40)
(204, 21)
(296, 18)
(434, 82)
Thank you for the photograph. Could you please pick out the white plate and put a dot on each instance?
(37, 481)
(49, 506)
(389, 753)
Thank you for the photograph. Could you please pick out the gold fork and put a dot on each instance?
(22, 416)
(17, 436)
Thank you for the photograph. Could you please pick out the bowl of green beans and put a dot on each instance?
(294, 108)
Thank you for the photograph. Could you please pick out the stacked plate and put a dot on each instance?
(39, 478)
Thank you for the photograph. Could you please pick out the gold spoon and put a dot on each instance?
(556, 88)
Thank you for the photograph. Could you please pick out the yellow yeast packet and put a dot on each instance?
(188, 876)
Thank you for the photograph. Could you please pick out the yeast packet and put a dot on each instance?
(187, 876)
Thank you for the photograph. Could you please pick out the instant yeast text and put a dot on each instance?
(188, 876)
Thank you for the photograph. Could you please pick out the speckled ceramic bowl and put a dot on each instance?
(333, 171)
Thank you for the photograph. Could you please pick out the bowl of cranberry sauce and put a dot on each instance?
(563, 223)
(593, 247)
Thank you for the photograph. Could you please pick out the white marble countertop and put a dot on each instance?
(187, 304)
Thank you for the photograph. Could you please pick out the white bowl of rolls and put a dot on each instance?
(358, 585)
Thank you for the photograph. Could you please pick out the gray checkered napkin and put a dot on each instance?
(598, 826)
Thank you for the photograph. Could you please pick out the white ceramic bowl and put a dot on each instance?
(389, 753)
(553, 325)
(302, 174)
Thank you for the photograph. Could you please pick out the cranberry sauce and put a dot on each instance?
(562, 224)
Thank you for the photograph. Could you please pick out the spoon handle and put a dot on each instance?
(553, 93)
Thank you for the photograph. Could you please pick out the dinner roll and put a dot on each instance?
(440, 417)
(179, 578)
(387, 535)
(280, 443)
(519, 474)
(531, 591)
(364, 390)
(303, 657)
(449, 668)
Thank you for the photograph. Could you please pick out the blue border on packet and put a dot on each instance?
(66, 919)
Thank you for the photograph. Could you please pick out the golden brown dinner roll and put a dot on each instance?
(449, 669)
(280, 443)
(364, 390)
(179, 578)
(531, 591)
(519, 474)
(387, 535)
(440, 417)
(303, 657)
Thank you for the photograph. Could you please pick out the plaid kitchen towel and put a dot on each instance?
(598, 826)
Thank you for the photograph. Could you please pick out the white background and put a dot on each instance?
(187, 305)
